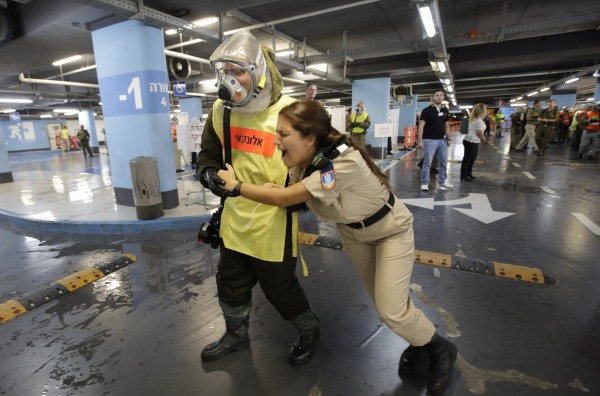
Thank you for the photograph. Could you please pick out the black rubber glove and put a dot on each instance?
(213, 182)
(355, 125)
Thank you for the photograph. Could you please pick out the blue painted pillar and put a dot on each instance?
(375, 94)
(564, 99)
(5, 171)
(134, 88)
(597, 92)
(86, 118)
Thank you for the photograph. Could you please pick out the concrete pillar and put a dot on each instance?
(134, 88)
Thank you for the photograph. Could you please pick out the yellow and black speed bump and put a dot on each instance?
(320, 241)
(12, 308)
(485, 267)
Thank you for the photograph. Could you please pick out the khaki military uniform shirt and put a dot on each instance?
(357, 194)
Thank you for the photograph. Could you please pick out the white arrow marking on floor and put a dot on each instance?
(516, 165)
(529, 175)
(549, 190)
(481, 209)
(587, 222)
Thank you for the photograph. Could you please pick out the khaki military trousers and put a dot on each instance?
(384, 255)
(528, 138)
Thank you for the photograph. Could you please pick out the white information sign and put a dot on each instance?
(384, 130)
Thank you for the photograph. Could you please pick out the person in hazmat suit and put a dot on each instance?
(258, 243)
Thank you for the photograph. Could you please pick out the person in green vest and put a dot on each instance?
(358, 123)
(499, 123)
(66, 142)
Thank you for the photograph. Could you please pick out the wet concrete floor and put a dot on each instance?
(140, 330)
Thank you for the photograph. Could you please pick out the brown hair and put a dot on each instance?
(309, 118)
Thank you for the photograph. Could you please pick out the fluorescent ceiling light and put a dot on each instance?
(533, 93)
(518, 104)
(572, 80)
(67, 60)
(450, 89)
(513, 100)
(287, 90)
(212, 82)
(519, 98)
(45, 115)
(205, 21)
(319, 66)
(10, 100)
(465, 107)
(66, 110)
(8, 111)
(544, 89)
(590, 99)
(284, 53)
(170, 32)
(442, 67)
(447, 81)
(427, 19)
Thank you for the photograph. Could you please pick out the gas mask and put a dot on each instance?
(231, 76)
(358, 109)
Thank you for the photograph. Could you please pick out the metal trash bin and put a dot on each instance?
(146, 188)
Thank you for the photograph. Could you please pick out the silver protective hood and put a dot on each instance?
(243, 51)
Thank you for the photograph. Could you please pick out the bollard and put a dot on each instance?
(146, 188)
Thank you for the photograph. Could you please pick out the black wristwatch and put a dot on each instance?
(236, 192)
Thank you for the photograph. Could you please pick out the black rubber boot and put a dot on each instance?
(307, 325)
(409, 359)
(442, 355)
(236, 333)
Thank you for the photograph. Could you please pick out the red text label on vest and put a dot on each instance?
(253, 141)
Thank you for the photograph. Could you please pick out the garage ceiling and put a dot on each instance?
(496, 50)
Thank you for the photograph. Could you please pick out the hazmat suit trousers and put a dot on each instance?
(238, 273)
(384, 256)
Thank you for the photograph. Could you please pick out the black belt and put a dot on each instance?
(374, 218)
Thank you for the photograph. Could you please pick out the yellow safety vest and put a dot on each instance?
(64, 133)
(248, 227)
(360, 119)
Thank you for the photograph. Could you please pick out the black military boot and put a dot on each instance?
(409, 358)
(442, 355)
(307, 325)
(236, 333)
